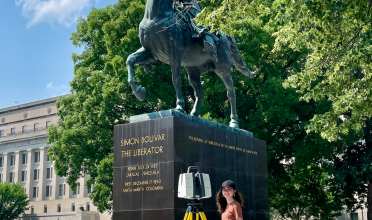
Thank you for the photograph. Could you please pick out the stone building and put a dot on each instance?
(24, 159)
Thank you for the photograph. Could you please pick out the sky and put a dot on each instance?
(35, 47)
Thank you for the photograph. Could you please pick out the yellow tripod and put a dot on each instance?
(194, 209)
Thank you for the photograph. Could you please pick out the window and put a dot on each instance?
(48, 157)
(23, 175)
(0, 176)
(59, 208)
(32, 209)
(88, 206)
(2, 133)
(12, 131)
(10, 177)
(12, 161)
(73, 207)
(24, 129)
(74, 192)
(34, 193)
(50, 188)
(64, 189)
(24, 158)
(78, 188)
(35, 174)
(48, 123)
(37, 191)
(47, 191)
(48, 173)
(38, 172)
(1, 162)
(89, 189)
(36, 126)
(36, 157)
(45, 209)
(60, 190)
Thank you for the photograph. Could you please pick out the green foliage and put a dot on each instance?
(103, 185)
(304, 191)
(337, 37)
(338, 67)
(13, 200)
(354, 171)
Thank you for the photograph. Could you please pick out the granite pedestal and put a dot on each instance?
(152, 150)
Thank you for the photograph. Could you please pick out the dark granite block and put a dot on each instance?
(154, 149)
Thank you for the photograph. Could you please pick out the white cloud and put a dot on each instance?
(49, 85)
(62, 11)
(62, 87)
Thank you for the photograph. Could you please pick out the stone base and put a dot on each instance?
(154, 149)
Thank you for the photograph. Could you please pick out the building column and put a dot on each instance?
(42, 177)
(30, 170)
(55, 184)
(86, 178)
(68, 192)
(81, 181)
(6, 168)
(17, 172)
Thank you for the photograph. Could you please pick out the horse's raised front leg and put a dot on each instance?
(194, 79)
(175, 63)
(141, 56)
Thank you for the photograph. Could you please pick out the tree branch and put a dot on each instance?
(360, 29)
(289, 63)
(355, 36)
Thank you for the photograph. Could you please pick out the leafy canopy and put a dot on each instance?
(337, 67)
(13, 200)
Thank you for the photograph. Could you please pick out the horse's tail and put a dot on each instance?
(237, 60)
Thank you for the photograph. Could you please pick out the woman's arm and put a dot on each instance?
(238, 212)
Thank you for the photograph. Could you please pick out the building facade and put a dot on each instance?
(24, 159)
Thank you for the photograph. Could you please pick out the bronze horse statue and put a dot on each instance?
(163, 37)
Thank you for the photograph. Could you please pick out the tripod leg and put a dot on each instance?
(190, 216)
(188, 213)
(197, 216)
(202, 215)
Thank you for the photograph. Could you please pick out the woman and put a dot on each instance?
(229, 202)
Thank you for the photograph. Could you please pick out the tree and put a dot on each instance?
(82, 142)
(354, 173)
(13, 200)
(337, 67)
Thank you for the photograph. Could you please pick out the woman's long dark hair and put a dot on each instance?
(222, 203)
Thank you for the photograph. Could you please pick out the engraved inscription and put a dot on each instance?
(135, 185)
(222, 145)
(145, 139)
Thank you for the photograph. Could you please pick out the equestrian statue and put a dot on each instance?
(169, 34)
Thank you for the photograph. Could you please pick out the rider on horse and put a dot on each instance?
(187, 11)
